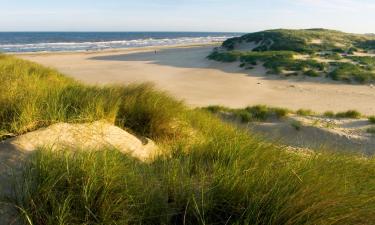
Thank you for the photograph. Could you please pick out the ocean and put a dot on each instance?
(93, 41)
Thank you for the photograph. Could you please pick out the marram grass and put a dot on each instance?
(213, 174)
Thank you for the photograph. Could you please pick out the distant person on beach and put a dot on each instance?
(155, 51)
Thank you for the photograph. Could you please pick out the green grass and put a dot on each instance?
(329, 114)
(276, 49)
(217, 174)
(311, 73)
(305, 112)
(371, 130)
(300, 40)
(349, 72)
(371, 119)
(274, 61)
(351, 114)
(251, 113)
(230, 178)
(296, 125)
(35, 97)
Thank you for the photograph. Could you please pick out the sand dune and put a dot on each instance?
(188, 75)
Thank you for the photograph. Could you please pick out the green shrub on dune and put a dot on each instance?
(217, 174)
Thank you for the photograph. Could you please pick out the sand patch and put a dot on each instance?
(90, 136)
(342, 135)
(316, 41)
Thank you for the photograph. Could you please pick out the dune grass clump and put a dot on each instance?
(349, 72)
(371, 119)
(224, 57)
(305, 112)
(230, 178)
(329, 114)
(34, 96)
(251, 113)
(371, 130)
(296, 125)
(217, 174)
(350, 114)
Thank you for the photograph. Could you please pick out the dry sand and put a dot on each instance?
(187, 74)
(315, 132)
(90, 136)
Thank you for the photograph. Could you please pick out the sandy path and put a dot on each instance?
(188, 75)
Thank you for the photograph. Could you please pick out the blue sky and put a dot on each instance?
(185, 15)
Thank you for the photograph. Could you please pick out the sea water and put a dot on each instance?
(93, 41)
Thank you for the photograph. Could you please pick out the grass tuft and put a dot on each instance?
(35, 97)
(305, 112)
(371, 119)
(351, 114)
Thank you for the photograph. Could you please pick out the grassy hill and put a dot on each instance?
(210, 172)
(311, 52)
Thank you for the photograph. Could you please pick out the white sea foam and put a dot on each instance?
(87, 46)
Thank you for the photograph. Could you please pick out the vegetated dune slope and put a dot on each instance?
(312, 52)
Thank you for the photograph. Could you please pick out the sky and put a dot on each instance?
(356, 16)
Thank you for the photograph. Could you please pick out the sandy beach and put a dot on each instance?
(185, 73)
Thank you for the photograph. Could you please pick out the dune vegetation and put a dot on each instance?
(259, 113)
(311, 52)
(209, 172)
